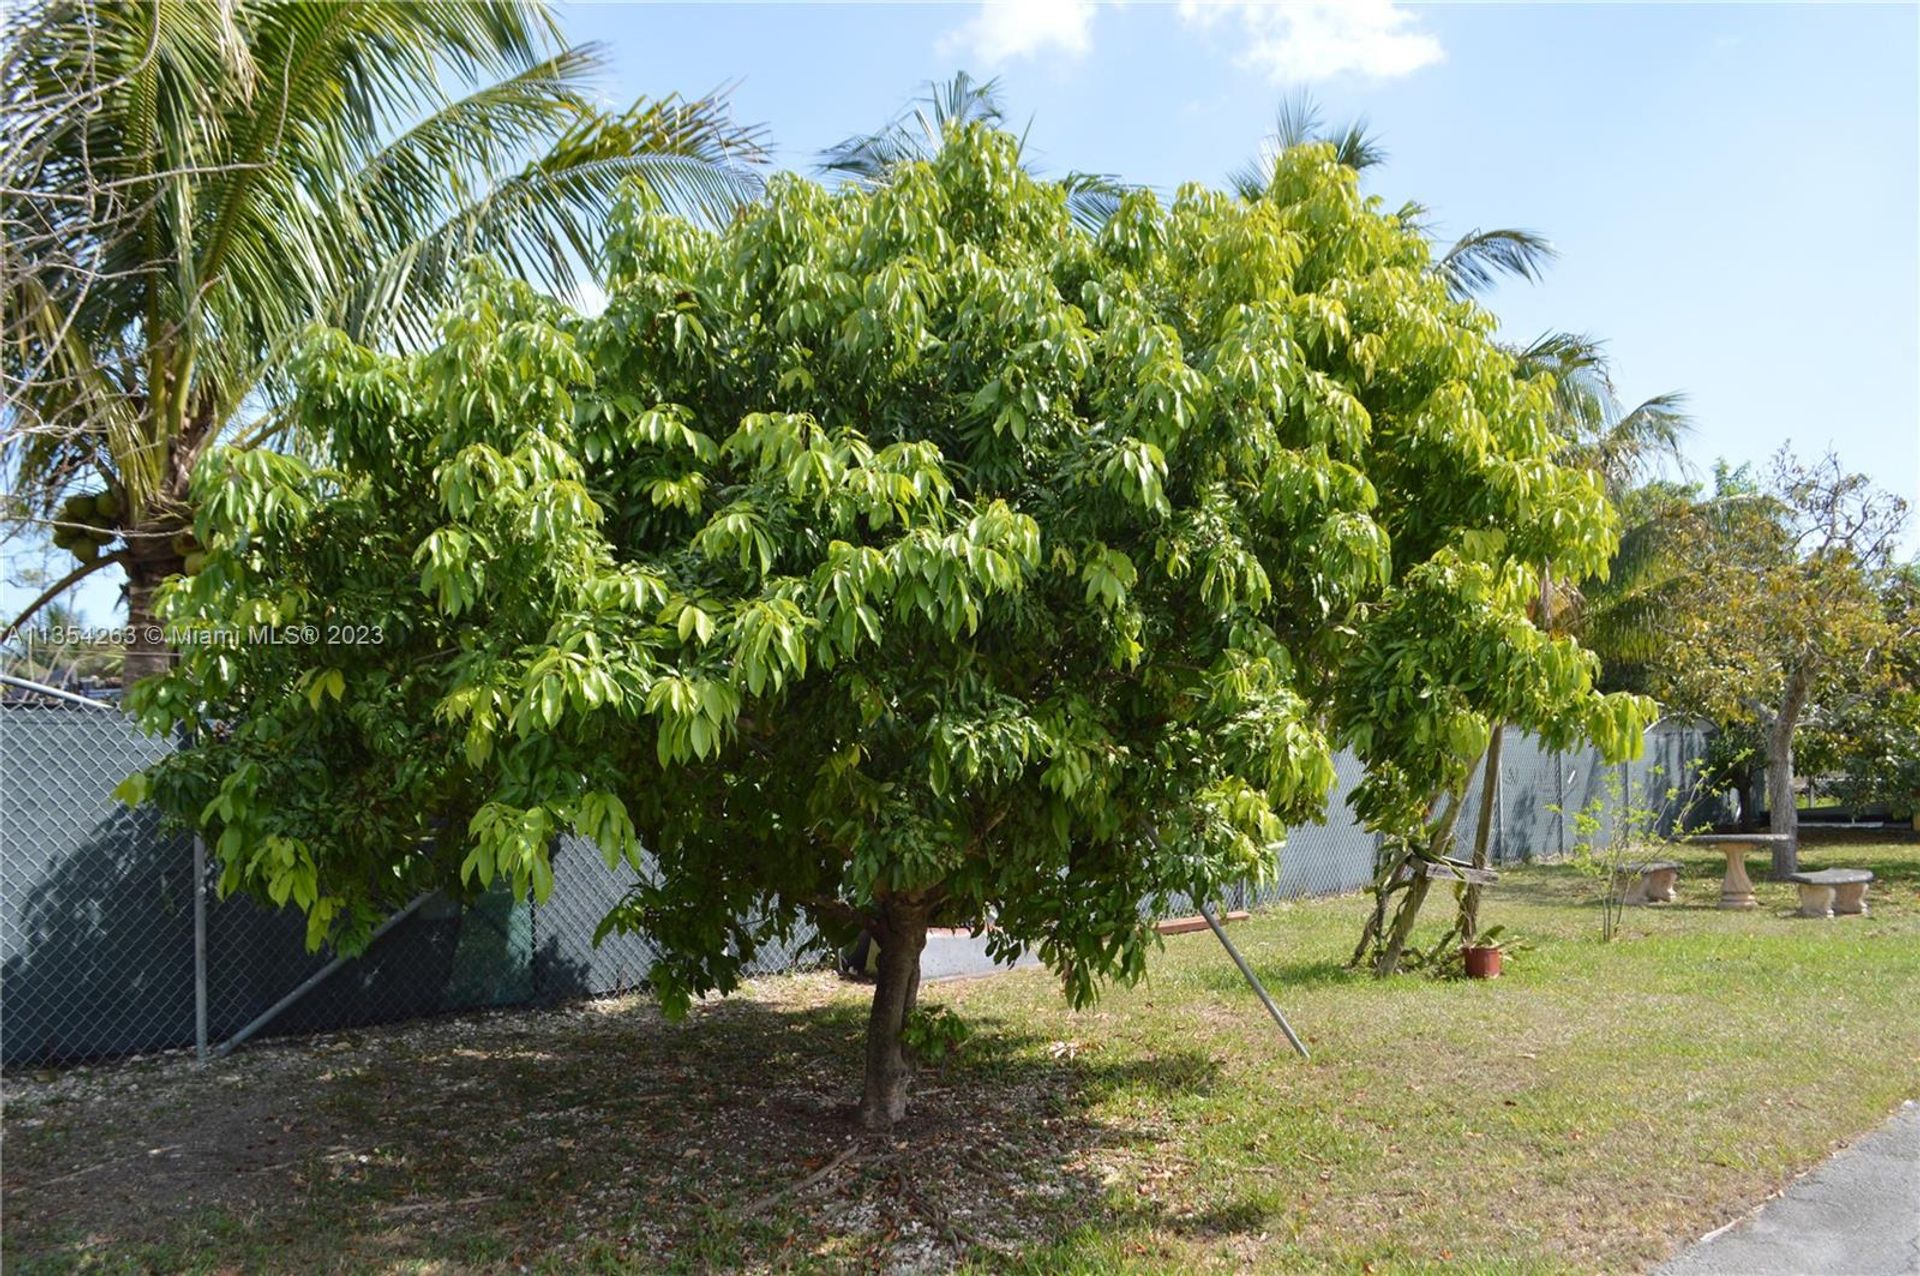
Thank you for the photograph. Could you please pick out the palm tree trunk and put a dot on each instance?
(151, 559)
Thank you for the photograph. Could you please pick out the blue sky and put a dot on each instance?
(1735, 190)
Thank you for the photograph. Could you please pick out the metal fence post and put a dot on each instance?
(1626, 804)
(199, 948)
(535, 975)
(1560, 800)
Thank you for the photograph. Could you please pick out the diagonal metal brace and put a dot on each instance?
(313, 981)
(1206, 911)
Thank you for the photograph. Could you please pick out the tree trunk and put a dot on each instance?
(884, 1099)
(1439, 833)
(1383, 888)
(1489, 795)
(1389, 960)
(147, 650)
(1783, 818)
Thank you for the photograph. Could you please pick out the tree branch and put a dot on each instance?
(59, 587)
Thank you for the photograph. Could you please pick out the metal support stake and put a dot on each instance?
(1206, 911)
(199, 948)
(313, 981)
(1499, 800)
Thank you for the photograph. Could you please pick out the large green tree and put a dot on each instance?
(1607, 611)
(1781, 580)
(1594, 431)
(900, 556)
(186, 185)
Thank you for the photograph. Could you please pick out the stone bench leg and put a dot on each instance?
(1815, 901)
(1662, 885)
(1636, 893)
(1851, 898)
(1737, 890)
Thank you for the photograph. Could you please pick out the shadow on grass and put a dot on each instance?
(1278, 975)
(601, 1138)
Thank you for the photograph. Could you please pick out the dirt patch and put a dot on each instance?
(595, 1133)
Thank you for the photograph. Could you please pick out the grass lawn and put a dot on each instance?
(1595, 1109)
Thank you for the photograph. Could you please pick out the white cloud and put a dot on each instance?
(1003, 29)
(1318, 39)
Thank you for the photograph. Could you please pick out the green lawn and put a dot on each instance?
(1594, 1109)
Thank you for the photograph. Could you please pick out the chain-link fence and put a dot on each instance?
(102, 952)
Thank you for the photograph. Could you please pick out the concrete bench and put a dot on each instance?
(1832, 890)
(1656, 884)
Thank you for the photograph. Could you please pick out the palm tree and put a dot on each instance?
(187, 185)
(920, 129)
(1624, 446)
(1618, 616)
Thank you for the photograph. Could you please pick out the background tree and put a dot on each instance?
(1867, 734)
(62, 653)
(185, 186)
(900, 556)
(1782, 598)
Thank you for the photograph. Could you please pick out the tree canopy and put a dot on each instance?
(1782, 579)
(1866, 738)
(900, 555)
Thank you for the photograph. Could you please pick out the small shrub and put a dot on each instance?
(935, 1033)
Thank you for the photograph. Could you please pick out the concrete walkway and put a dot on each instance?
(1857, 1215)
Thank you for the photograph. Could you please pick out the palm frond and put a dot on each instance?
(1251, 179)
(187, 186)
(1297, 122)
(542, 224)
(1358, 149)
(1637, 442)
(1093, 198)
(1479, 259)
(917, 132)
(1559, 352)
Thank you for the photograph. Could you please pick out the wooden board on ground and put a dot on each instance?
(1183, 925)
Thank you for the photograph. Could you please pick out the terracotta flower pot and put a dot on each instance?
(1482, 963)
